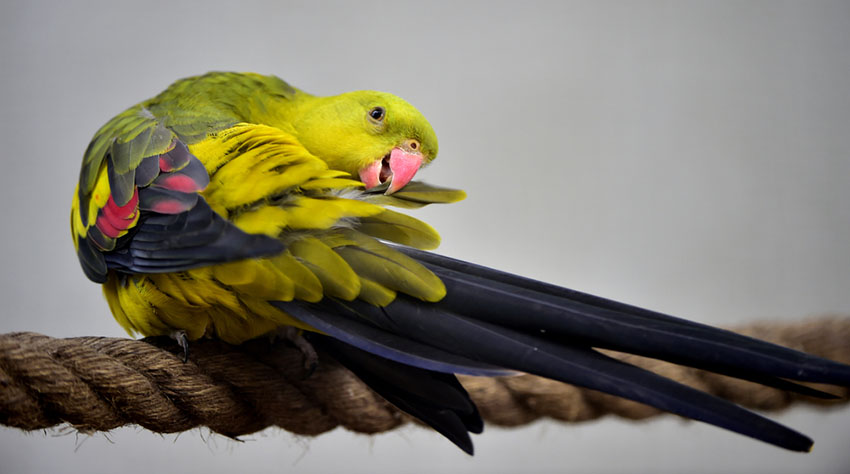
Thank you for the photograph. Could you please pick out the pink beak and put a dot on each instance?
(399, 167)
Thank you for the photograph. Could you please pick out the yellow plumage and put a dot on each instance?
(264, 182)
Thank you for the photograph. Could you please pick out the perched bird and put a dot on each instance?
(235, 206)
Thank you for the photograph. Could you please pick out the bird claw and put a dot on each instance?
(182, 341)
(296, 337)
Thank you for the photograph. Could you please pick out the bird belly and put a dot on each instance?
(191, 301)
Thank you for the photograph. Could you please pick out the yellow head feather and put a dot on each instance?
(349, 131)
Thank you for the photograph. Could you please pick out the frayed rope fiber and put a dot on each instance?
(100, 383)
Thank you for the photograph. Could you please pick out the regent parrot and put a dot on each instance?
(233, 205)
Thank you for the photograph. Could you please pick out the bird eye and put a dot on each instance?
(377, 114)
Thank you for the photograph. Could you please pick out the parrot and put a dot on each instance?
(236, 206)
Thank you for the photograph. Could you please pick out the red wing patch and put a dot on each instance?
(190, 178)
(175, 158)
(165, 184)
(166, 224)
(114, 219)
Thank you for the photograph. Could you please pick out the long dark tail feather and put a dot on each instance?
(343, 323)
(578, 365)
(491, 322)
(437, 399)
(530, 305)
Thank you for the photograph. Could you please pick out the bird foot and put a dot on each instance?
(296, 337)
(182, 341)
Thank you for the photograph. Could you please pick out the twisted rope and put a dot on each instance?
(99, 383)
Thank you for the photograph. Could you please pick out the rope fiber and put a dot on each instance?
(101, 383)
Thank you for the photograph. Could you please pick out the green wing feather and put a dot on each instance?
(184, 114)
(187, 110)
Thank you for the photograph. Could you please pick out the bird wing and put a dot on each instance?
(138, 207)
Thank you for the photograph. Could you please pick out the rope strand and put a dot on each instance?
(99, 383)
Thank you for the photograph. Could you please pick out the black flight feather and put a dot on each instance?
(491, 322)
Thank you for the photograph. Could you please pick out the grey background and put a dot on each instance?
(688, 157)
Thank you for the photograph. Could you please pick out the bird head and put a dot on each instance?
(375, 136)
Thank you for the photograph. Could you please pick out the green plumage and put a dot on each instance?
(190, 110)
